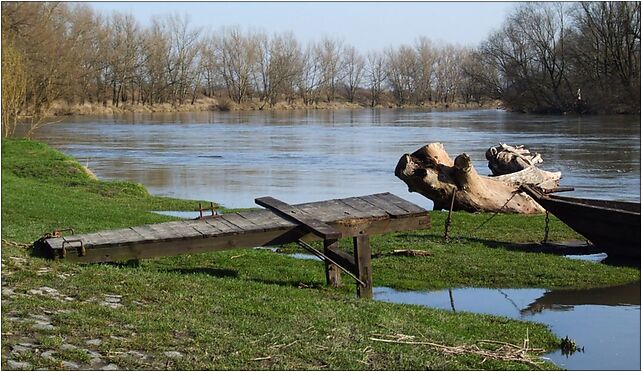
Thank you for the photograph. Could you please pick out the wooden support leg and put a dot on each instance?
(332, 272)
(363, 263)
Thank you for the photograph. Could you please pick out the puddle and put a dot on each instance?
(605, 321)
(304, 256)
(597, 257)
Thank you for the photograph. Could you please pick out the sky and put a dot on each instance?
(366, 25)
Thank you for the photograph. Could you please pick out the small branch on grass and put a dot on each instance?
(404, 252)
(261, 358)
(506, 352)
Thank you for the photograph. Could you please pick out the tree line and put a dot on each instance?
(564, 57)
(546, 57)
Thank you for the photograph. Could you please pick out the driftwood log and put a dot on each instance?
(505, 159)
(431, 172)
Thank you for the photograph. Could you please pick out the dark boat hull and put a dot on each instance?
(609, 225)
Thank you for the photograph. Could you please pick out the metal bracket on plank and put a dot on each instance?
(57, 233)
(200, 211)
(62, 251)
(80, 249)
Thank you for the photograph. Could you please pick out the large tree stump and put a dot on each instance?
(431, 172)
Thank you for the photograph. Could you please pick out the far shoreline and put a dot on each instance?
(62, 109)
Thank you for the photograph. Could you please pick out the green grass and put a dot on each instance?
(234, 309)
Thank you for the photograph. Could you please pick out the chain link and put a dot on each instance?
(546, 228)
(471, 232)
(11, 243)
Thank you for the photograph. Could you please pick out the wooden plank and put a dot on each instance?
(240, 221)
(145, 232)
(163, 232)
(321, 212)
(203, 227)
(332, 271)
(387, 206)
(366, 210)
(334, 210)
(120, 236)
(182, 229)
(55, 243)
(402, 203)
(221, 224)
(169, 245)
(266, 219)
(329, 210)
(344, 259)
(322, 229)
(267, 228)
(363, 260)
(90, 240)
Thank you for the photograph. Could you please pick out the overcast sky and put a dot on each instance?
(366, 25)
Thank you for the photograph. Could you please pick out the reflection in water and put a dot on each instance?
(605, 322)
(565, 299)
(298, 156)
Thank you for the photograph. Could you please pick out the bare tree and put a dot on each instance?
(236, 55)
(424, 70)
(402, 70)
(376, 76)
(605, 49)
(278, 65)
(353, 65)
(311, 77)
(14, 87)
(329, 52)
(448, 72)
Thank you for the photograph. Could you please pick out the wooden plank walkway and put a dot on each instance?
(329, 220)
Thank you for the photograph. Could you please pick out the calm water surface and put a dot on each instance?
(605, 321)
(232, 158)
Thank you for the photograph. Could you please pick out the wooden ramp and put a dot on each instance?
(356, 217)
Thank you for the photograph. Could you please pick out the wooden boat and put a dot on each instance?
(610, 225)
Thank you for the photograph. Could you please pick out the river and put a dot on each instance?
(298, 156)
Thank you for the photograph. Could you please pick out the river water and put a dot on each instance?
(298, 156)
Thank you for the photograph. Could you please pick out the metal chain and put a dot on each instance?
(11, 243)
(546, 228)
(469, 234)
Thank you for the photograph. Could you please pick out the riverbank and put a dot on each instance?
(224, 104)
(247, 309)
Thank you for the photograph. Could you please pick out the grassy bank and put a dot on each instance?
(246, 309)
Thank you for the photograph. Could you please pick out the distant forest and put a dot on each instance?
(546, 57)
